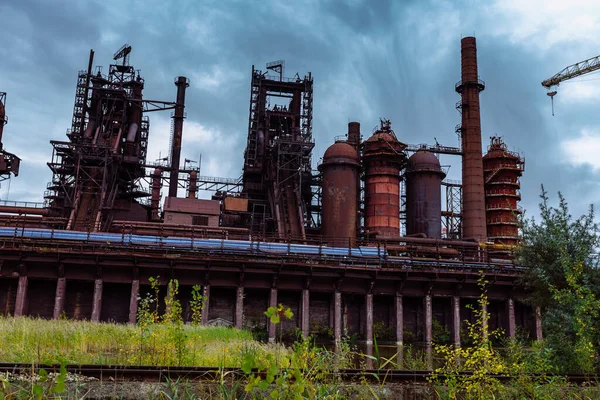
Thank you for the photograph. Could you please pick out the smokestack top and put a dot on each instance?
(468, 47)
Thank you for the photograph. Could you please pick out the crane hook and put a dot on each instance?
(551, 95)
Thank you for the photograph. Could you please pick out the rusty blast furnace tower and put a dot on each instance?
(473, 209)
(97, 173)
(502, 169)
(277, 162)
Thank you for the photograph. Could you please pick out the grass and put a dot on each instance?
(28, 340)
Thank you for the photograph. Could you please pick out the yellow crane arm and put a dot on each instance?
(572, 71)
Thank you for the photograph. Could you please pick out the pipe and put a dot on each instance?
(2, 117)
(155, 197)
(182, 83)
(441, 242)
(473, 219)
(193, 188)
(354, 134)
(23, 210)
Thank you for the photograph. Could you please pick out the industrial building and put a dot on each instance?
(360, 241)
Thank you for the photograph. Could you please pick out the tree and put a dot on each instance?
(560, 252)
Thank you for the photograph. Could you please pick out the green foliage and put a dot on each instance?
(382, 332)
(305, 373)
(440, 333)
(197, 304)
(563, 271)
(480, 359)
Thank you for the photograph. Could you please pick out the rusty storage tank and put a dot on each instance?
(424, 195)
(383, 158)
(339, 194)
(502, 169)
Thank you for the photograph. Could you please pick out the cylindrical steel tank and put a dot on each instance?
(424, 195)
(502, 169)
(383, 158)
(339, 194)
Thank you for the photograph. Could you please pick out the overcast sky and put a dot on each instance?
(370, 59)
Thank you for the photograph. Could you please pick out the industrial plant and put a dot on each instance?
(372, 236)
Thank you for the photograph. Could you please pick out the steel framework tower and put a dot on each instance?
(103, 160)
(277, 162)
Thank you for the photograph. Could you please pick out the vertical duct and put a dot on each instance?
(193, 186)
(155, 199)
(473, 212)
(182, 83)
(354, 134)
(2, 116)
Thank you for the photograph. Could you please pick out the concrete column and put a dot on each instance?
(538, 324)
(369, 327)
(97, 301)
(239, 307)
(510, 306)
(272, 327)
(399, 314)
(133, 301)
(456, 321)
(305, 312)
(21, 296)
(337, 317)
(205, 304)
(427, 305)
(59, 298)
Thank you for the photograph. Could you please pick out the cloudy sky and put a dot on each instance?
(370, 59)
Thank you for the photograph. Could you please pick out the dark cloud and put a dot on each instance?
(398, 60)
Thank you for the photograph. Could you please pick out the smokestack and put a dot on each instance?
(473, 212)
(354, 134)
(182, 83)
(193, 188)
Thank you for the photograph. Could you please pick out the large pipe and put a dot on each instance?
(354, 134)
(2, 116)
(193, 187)
(440, 242)
(23, 210)
(473, 213)
(182, 83)
(155, 197)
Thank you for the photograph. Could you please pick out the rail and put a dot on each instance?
(162, 373)
(28, 204)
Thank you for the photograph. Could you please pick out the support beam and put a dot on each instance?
(510, 306)
(97, 301)
(305, 313)
(399, 313)
(133, 301)
(239, 307)
(337, 318)
(205, 304)
(427, 305)
(538, 323)
(21, 296)
(271, 326)
(369, 327)
(456, 321)
(59, 297)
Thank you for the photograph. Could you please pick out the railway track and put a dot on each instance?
(157, 374)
